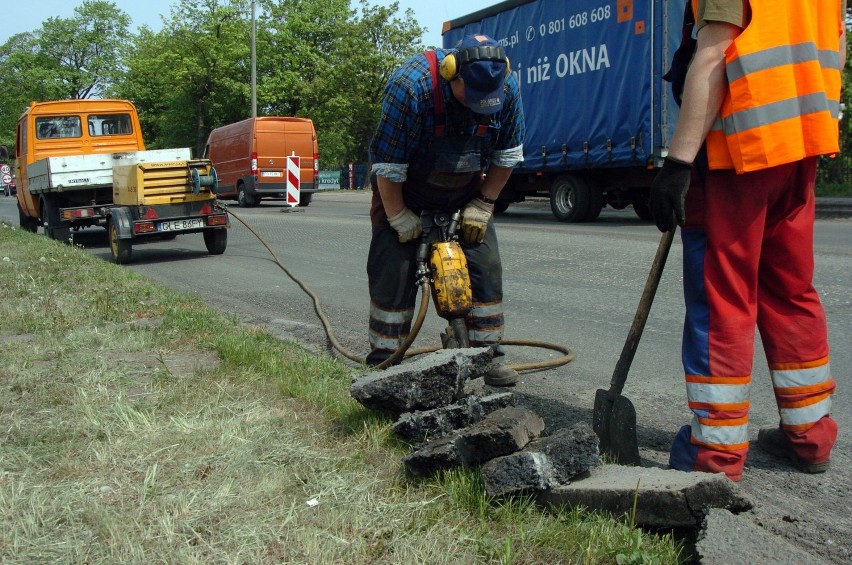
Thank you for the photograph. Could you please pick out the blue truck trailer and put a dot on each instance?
(599, 115)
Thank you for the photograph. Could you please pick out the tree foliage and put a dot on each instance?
(86, 48)
(75, 57)
(314, 58)
(192, 75)
(327, 62)
(321, 59)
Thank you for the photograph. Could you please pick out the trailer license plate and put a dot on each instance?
(180, 225)
(271, 174)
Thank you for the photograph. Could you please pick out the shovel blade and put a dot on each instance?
(614, 422)
(600, 418)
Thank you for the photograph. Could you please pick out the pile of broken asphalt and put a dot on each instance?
(443, 408)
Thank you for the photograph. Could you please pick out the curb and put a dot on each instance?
(833, 207)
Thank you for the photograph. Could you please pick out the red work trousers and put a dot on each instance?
(748, 262)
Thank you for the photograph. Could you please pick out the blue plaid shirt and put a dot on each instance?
(406, 128)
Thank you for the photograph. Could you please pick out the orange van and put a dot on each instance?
(250, 158)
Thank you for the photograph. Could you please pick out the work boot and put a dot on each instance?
(500, 375)
(775, 442)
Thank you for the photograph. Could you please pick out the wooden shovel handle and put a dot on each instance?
(619, 375)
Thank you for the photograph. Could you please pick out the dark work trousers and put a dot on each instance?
(391, 267)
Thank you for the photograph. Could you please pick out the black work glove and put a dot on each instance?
(668, 194)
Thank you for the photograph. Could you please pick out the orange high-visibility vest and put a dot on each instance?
(783, 98)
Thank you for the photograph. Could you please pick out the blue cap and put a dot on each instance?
(483, 79)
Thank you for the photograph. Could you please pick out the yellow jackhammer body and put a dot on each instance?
(450, 280)
(447, 273)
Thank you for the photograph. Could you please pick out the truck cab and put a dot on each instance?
(62, 128)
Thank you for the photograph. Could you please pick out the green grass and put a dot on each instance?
(138, 426)
(833, 190)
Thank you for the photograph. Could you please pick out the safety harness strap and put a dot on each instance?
(483, 120)
(437, 95)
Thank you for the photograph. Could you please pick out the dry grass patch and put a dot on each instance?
(137, 426)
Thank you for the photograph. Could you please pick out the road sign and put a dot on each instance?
(293, 179)
(5, 169)
(6, 178)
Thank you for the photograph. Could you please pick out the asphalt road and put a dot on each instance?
(572, 284)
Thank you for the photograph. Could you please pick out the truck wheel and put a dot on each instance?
(121, 249)
(245, 199)
(53, 227)
(643, 210)
(593, 213)
(216, 241)
(569, 199)
(305, 199)
(501, 206)
(27, 223)
(595, 204)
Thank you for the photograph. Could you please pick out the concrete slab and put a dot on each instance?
(665, 498)
(419, 426)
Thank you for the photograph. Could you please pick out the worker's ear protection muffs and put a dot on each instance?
(453, 62)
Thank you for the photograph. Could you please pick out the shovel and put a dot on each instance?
(614, 417)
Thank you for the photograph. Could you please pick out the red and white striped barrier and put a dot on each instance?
(293, 179)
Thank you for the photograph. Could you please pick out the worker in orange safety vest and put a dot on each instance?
(759, 84)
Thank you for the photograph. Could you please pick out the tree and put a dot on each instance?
(834, 174)
(315, 58)
(74, 57)
(24, 76)
(324, 61)
(193, 75)
(86, 50)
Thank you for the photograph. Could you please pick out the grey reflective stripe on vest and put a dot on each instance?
(783, 109)
(779, 111)
(781, 56)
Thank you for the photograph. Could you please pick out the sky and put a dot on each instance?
(27, 15)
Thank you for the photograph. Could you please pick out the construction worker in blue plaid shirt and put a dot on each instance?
(451, 131)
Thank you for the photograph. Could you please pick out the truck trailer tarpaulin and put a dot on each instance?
(597, 108)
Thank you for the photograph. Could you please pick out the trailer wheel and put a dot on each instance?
(569, 199)
(216, 241)
(121, 249)
(27, 223)
(596, 204)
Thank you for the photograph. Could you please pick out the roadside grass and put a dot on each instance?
(833, 190)
(138, 426)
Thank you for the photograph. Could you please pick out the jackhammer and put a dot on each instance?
(448, 274)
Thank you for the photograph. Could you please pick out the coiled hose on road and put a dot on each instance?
(403, 350)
